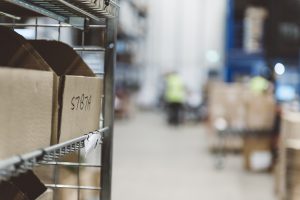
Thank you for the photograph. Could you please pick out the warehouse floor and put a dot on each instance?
(155, 162)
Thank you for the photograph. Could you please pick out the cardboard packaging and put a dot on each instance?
(241, 108)
(292, 180)
(227, 101)
(261, 110)
(37, 105)
(26, 88)
(78, 99)
(288, 164)
(257, 153)
(254, 29)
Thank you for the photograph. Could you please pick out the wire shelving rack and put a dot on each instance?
(83, 15)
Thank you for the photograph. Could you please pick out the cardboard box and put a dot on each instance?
(26, 87)
(38, 105)
(257, 153)
(289, 130)
(227, 101)
(290, 125)
(292, 174)
(78, 99)
(241, 108)
(261, 110)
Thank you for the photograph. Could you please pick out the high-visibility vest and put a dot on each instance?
(174, 92)
(258, 84)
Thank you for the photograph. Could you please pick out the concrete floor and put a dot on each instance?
(155, 162)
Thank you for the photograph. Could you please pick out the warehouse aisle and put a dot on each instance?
(155, 162)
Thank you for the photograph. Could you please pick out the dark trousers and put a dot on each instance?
(174, 113)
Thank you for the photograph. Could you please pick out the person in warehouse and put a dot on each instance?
(174, 97)
(261, 83)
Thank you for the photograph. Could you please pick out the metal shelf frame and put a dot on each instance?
(18, 164)
(74, 14)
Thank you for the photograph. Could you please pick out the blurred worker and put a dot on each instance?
(174, 97)
(259, 85)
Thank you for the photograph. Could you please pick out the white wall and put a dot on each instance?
(180, 33)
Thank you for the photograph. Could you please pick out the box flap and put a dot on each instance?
(16, 51)
(62, 58)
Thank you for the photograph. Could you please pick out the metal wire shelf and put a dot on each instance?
(74, 12)
(62, 25)
(18, 164)
(72, 187)
(85, 15)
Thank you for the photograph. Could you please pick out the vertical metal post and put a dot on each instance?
(108, 108)
(36, 29)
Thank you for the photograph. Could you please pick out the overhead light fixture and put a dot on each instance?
(279, 68)
(212, 56)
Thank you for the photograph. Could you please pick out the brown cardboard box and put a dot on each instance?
(227, 101)
(79, 94)
(241, 108)
(260, 111)
(289, 130)
(255, 149)
(26, 87)
(292, 174)
(290, 125)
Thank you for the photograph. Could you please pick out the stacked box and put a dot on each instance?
(48, 94)
(241, 108)
(235, 108)
(261, 110)
(78, 102)
(288, 162)
(227, 101)
(292, 174)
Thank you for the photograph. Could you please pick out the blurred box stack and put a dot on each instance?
(254, 29)
(292, 182)
(243, 120)
(260, 118)
(226, 111)
(227, 101)
(240, 108)
(288, 166)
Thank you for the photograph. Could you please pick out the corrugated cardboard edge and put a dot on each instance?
(55, 109)
(61, 88)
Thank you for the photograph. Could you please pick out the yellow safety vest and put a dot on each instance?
(258, 84)
(174, 89)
